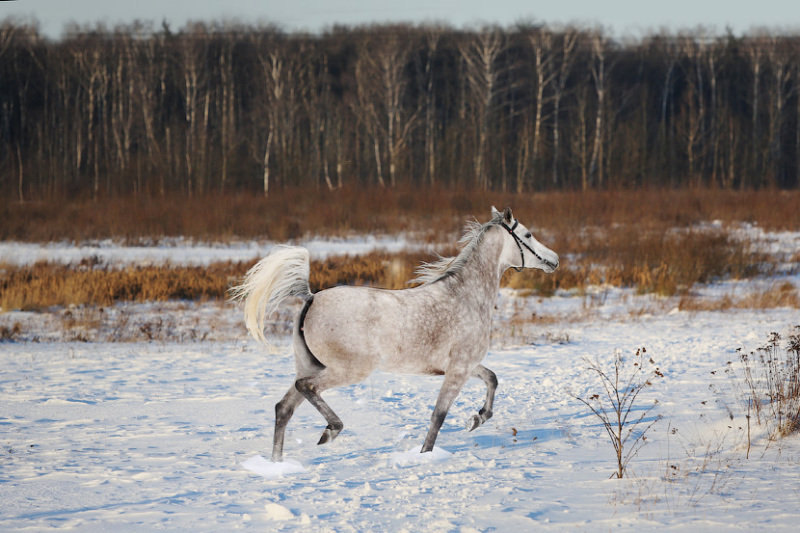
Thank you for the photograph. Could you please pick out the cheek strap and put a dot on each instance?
(520, 244)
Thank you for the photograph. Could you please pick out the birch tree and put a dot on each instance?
(569, 39)
(599, 45)
(480, 53)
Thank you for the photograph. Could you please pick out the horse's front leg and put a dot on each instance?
(450, 389)
(485, 413)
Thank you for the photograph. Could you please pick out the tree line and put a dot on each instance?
(142, 109)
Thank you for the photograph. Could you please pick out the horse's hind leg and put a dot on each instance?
(485, 413)
(284, 410)
(311, 388)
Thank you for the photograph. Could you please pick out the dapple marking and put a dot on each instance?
(440, 327)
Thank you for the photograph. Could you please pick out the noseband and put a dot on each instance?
(520, 244)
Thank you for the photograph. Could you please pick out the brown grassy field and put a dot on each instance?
(650, 262)
(46, 284)
(292, 213)
(641, 239)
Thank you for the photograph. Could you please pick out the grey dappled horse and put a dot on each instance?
(440, 327)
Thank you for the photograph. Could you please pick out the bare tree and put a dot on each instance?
(100, 112)
(365, 107)
(541, 42)
(382, 86)
(580, 133)
(480, 53)
(122, 102)
(148, 81)
(93, 80)
(226, 106)
(796, 46)
(670, 51)
(281, 73)
(754, 49)
(196, 100)
(694, 109)
(598, 67)
(569, 38)
(8, 34)
(324, 119)
(782, 63)
(432, 38)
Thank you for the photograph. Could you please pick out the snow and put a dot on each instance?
(175, 433)
(413, 457)
(271, 470)
(187, 252)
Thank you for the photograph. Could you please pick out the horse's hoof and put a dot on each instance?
(474, 422)
(328, 435)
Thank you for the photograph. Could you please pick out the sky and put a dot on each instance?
(618, 17)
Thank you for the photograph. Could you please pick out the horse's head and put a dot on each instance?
(522, 249)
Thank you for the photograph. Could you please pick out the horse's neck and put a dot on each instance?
(480, 277)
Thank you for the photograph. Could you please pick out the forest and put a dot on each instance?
(213, 108)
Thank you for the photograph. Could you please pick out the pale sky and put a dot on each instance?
(619, 17)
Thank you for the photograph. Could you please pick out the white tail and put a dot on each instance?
(281, 274)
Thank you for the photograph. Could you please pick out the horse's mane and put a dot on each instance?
(453, 266)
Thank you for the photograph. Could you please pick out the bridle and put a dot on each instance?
(520, 244)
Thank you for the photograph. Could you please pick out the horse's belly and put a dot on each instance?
(403, 361)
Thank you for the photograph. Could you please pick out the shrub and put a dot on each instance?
(614, 405)
(770, 383)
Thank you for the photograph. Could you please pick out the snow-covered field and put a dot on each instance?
(167, 434)
(179, 251)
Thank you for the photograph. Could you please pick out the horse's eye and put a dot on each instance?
(528, 235)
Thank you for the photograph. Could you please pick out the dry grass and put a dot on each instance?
(46, 284)
(291, 213)
(665, 264)
(770, 383)
(10, 333)
(782, 294)
(662, 262)
(641, 239)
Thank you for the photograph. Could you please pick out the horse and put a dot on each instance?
(439, 327)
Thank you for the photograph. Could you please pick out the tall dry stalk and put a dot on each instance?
(770, 384)
(616, 405)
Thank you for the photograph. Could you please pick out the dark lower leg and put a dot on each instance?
(284, 410)
(436, 424)
(310, 390)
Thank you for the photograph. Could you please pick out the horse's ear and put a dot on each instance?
(495, 212)
(507, 216)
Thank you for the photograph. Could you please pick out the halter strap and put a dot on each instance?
(520, 244)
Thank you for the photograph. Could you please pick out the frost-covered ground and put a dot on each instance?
(187, 252)
(142, 436)
(783, 245)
